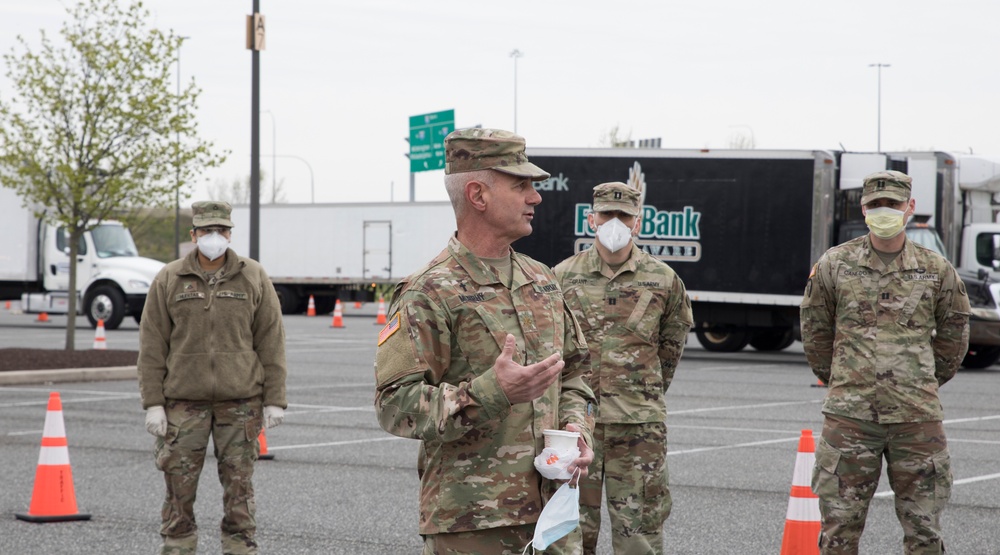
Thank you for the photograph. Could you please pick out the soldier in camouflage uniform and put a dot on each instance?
(211, 362)
(884, 324)
(480, 355)
(635, 315)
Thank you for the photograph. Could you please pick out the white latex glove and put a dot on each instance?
(156, 421)
(273, 416)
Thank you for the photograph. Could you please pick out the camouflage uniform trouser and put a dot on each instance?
(234, 427)
(848, 468)
(630, 461)
(505, 540)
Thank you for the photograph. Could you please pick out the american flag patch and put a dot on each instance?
(389, 329)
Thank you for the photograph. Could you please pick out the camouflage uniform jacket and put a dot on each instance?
(435, 382)
(219, 342)
(636, 322)
(869, 331)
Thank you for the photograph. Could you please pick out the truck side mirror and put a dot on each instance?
(983, 274)
(996, 252)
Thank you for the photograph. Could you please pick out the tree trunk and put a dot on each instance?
(74, 247)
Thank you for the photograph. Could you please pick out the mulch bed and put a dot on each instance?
(51, 359)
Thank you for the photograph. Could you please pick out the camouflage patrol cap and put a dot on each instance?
(886, 184)
(616, 195)
(211, 212)
(469, 150)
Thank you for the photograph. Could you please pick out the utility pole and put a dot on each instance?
(255, 42)
(515, 54)
(879, 66)
(177, 193)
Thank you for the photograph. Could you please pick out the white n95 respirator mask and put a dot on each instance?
(614, 235)
(213, 245)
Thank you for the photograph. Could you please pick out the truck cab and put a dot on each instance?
(112, 279)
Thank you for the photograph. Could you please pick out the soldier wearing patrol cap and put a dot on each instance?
(884, 325)
(636, 315)
(480, 355)
(211, 362)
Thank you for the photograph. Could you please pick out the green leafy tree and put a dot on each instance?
(92, 130)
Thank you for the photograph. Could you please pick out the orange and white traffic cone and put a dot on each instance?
(338, 316)
(6, 305)
(43, 317)
(311, 311)
(380, 319)
(819, 383)
(99, 341)
(802, 521)
(357, 304)
(53, 499)
(263, 455)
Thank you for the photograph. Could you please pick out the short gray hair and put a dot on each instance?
(455, 185)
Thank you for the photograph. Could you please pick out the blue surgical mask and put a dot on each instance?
(560, 516)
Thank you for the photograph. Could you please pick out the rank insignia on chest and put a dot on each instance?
(389, 329)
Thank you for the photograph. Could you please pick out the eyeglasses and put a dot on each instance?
(210, 230)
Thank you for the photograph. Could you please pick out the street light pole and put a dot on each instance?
(274, 149)
(515, 54)
(879, 66)
(177, 176)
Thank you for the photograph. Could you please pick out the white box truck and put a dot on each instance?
(112, 279)
(342, 250)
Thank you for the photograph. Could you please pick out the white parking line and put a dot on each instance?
(332, 443)
(733, 446)
(739, 407)
(983, 478)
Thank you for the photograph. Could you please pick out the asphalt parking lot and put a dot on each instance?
(339, 484)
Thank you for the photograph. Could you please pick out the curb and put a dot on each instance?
(24, 377)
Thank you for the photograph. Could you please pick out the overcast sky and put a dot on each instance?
(340, 79)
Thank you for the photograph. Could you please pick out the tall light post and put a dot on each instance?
(274, 149)
(879, 66)
(515, 54)
(177, 193)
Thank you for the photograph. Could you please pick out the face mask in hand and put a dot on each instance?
(614, 235)
(212, 245)
(560, 516)
(884, 222)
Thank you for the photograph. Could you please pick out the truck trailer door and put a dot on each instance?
(377, 249)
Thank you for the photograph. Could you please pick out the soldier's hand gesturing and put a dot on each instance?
(525, 383)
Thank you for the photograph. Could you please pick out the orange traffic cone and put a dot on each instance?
(357, 304)
(819, 383)
(6, 305)
(802, 521)
(43, 317)
(99, 342)
(263, 455)
(380, 319)
(53, 499)
(338, 316)
(311, 311)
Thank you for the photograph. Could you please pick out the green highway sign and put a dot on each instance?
(427, 133)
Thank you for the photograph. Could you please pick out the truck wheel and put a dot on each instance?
(325, 305)
(106, 303)
(288, 299)
(772, 340)
(981, 357)
(721, 340)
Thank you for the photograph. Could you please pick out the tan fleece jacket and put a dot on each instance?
(212, 343)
